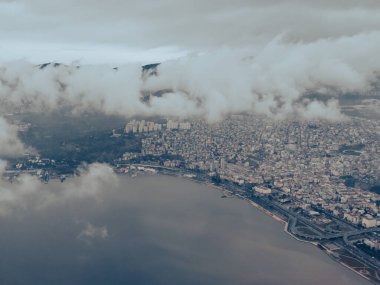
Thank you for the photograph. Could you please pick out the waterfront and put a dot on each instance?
(158, 230)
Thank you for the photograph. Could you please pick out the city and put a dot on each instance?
(209, 142)
(319, 178)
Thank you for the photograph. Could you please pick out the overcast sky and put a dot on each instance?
(119, 31)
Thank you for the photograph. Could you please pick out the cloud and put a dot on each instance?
(10, 145)
(28, 193)
(318, 110)
(272, 80)
(269, 80)
(89, 87)
(91, 232)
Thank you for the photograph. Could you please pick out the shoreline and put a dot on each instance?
(331, 255)
(280, 220)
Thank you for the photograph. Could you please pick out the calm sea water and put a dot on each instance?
(158, 230)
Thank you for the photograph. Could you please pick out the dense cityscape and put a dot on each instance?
(320, 178)
(318, 163)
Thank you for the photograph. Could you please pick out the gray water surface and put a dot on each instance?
(158, 230)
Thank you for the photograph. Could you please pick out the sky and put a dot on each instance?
(121, 31)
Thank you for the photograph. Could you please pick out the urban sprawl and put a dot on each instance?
(321, 178)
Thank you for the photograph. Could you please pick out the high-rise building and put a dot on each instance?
(222, 164)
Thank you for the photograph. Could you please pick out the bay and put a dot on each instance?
(158, 230)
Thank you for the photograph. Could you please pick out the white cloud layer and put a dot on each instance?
(271, 80)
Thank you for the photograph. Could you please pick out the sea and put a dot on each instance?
(153, 230)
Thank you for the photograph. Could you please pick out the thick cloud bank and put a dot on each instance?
(271, 80)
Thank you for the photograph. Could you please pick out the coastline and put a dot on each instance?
(283, 221)
(277, 218)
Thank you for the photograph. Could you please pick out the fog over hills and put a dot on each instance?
(296, 58)
(276, 80)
